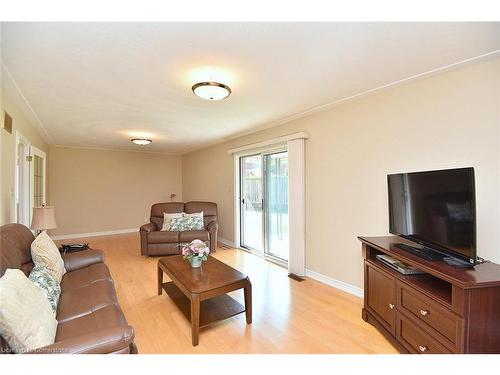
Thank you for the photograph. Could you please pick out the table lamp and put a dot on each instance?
(43, 218)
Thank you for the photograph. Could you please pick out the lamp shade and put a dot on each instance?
(43, 218)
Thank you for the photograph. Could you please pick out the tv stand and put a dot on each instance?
(454, 262)
(445, 310)
(420, 251)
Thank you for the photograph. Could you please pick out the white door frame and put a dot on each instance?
(23, 197)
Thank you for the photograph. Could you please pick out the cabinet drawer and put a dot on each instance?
(415, 339)
(441, 319)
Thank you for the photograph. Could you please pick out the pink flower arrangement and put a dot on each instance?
(196, 248)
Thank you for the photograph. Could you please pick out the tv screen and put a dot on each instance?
(435, 209)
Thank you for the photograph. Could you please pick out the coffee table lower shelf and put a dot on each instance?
(211, 310)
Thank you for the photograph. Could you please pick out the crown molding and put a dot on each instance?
(335, 103)
(13, 90)
(11, 87)
(90, 148)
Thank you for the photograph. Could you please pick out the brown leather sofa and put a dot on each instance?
(154, 241)
(89, 317)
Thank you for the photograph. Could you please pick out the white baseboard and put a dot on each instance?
(354, 290)
(93, 234)
(226, 242)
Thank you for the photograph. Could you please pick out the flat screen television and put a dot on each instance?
(437, 210)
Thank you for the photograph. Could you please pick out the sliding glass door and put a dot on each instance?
(251, 199)
(276, 204)
(264, 203)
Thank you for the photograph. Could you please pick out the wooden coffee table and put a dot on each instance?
(200, 293)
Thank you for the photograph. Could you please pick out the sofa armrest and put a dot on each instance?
(101, 342)
(149, 227)
(80, 259)
(213, 226)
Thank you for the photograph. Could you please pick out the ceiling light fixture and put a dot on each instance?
(141, 141)
(211, 90)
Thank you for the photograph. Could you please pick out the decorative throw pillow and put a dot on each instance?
(26, 318)
(42, 278)
(186, 223)
(194, 214)
(199, 222)
(167, 219)
(44, 253)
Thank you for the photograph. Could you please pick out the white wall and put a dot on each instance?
(443, 121)
(99, 191)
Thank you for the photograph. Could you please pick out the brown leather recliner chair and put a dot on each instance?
(89, 317)
(154, 241)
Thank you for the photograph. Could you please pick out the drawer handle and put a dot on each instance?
(391, 306)
(424, 312)
(423, 348)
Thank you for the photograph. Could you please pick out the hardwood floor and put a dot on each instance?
(288, 316)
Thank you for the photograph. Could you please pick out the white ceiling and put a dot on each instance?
(95, 84)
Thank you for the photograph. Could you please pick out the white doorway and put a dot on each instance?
(30, 179)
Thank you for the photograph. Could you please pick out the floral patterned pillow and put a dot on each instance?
(42, 278)
(182, 224)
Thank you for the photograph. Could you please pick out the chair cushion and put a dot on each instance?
(155, 249)
(27, 321)
(82, 301)
(85, 276)
(163, 237)
(190, 235)
(106, 317)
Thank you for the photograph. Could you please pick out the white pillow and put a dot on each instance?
(26, 318)
(44, 252)
(194, 214)
(167, 218)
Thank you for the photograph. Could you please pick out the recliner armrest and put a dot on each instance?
(149, 227)
(212, 226)
(80, 259)
(101, 342)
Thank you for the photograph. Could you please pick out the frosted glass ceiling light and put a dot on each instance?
(211, 90)
(141, 141)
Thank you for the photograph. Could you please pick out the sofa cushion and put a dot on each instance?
(45, 253)
(81, 259)
(190, 235)
(26, 319)
(155, 249)
(163, 237)
(104, 318)
(82, 301)
(158, 209)
(85, 276)
(209, 210)
(42, 278)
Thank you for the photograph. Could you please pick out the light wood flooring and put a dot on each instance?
(288, 316)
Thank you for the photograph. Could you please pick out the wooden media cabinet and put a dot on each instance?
(445, 310)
